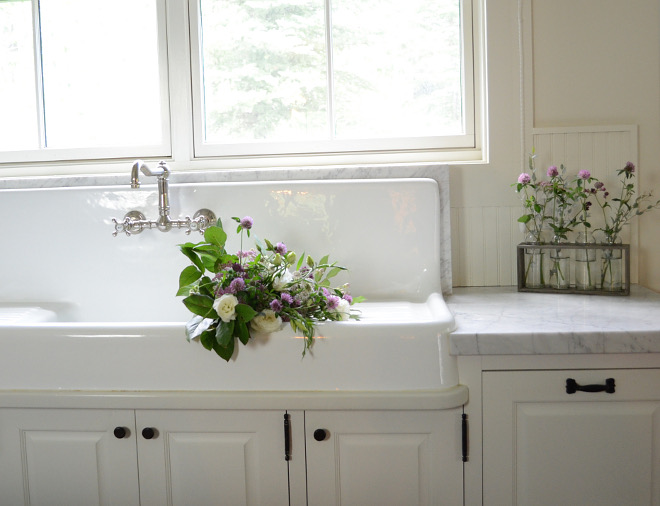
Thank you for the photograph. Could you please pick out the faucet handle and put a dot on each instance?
(133, 223)
(161, 171)
(201, 220)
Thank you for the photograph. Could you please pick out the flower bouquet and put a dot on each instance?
(258, 291)
(562, 206)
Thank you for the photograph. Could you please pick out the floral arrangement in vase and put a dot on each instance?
(260, 290)
(557, 207)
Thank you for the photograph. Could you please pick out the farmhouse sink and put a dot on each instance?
(103, 314)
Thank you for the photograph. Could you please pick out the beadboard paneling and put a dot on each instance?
(483, 245)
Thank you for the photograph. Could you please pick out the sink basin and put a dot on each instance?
(397, 346)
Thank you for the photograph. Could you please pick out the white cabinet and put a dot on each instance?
(63, 457)
(384, 458)
(544, 446)
(193, 457)
(71, 457)
(201, 457)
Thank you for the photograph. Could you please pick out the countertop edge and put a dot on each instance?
(503, 321)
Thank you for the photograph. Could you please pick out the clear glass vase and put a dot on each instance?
(536, 264)
(611, 268)
(560, 269)
(587, 269)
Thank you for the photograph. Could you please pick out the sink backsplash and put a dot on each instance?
(59, 251)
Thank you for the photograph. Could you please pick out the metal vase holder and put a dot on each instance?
(601, 250)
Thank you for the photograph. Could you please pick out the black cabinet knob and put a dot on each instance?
(121, 432)
(321, 434)
(149, 433)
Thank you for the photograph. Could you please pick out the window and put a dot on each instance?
(235, 83)
(315, 76)
(81, 79)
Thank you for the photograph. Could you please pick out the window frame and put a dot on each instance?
(374, 149)
(44, 154)
(178, 85)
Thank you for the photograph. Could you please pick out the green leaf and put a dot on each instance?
(224, 333)
(215, 235)
(187, 250)
(189, 275)
(525, 219)
(300, 261)
(241, 330)
(207, 338)
(333, 272)
(184, 291)
(324, 260)
(245, 312)
(205, 286)
(201, 305)
(224, 352)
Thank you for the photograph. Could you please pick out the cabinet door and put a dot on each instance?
(198, 457)
(543, 446)
(384, 458)
(54, 457)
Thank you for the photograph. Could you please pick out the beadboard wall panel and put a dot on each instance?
(484, 238)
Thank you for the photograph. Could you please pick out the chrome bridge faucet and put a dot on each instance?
(135, 222)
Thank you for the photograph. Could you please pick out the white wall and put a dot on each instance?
(555, 65)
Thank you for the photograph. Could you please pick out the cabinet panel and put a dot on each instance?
(544, 446)
(215, 457)
(62, 457)
(384, 458)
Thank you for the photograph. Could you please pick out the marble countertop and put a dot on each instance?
(503, 321)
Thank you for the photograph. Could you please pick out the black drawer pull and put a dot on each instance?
(121, 432)
(149, 433)
(321, 434)
(572, 386)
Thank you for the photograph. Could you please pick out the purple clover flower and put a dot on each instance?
(286, 298)
(237, 285)
(524, 178)
(276, 305)
(247, 223)
(584, 174)
(599, 185)
(348, 298)
(332, 302)
(249, 254)
(281, 248)
(630, 167)
(552, 171)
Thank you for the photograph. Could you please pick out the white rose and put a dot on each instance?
(280, 282)
(266, 322)
(225, 306)
(343, 309)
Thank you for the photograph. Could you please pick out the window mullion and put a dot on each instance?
(330, 68)
(38, 74)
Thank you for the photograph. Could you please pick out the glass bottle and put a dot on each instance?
(587, 270)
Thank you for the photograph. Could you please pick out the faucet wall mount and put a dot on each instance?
(135, 222)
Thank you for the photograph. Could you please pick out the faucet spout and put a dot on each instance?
(135, 176)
